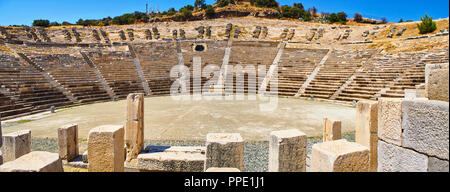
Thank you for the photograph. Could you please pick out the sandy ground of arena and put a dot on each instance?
(167, 119)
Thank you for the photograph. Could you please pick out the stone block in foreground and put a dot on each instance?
(367, 129)
(339, 156)
(437, 85)
(36, 161)
(224, 150)
(392, 158)
(16, 145)
(172, 159)
(106, 149)
(134, 129)
(425, 126)
(68, 142)
(287, 151)
(331, 130)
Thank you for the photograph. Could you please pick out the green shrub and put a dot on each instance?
(186, 13)
(427, 25)
(358, 18)
(200, 3)
(291, 12)
(264, 3)
(223, 3)
(210, 13)
(41, 23)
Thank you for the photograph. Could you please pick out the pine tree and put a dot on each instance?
(427, 25)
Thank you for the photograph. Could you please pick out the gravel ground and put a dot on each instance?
(256, 154)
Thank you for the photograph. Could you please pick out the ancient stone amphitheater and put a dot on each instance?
(67, 66)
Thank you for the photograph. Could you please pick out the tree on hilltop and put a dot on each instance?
(41, 23)
(358, 17)
(200, 4)
(427, 25)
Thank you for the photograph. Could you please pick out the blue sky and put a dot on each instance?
(25, 11)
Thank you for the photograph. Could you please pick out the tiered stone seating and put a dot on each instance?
(339, 67)
(251, 53)
(29, 86)
(157, 59)
(212, 55)
(414, 73)
(74, 74)
(376, 75)
(294, 67)
(9, 108)
(119, 71)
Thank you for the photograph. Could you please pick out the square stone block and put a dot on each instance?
(437, 165)
(390, 120)
(134, 130)
(36, 161)
(222, 170)
(287, 151)
(172, 159)
(425, 127)
(68, 142)
(367, 129)
(339, 156)
(106, 149)
(331, 130)
(15, 145)
(224, 150)
(437, 85)
(392, 158)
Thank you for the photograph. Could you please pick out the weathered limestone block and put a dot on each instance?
(430, 67)
(122, 35)
(237, 32)
(284, 34)
(68, 142)
(331, 130)
(390, 120)
(131, 35)
(287, 151)
(425, 126)
(155, 32)
(437, 85)
(148, 34)
(437, 165)
(201, 31)
(222, 169)
(208, 32)
(224, 150)
(367, 129)
(392, 158)
(182, 34)
(16, 145)
(264, 32)
(339, 156)
(85, 157)
(172, 159)
(105, 149)
(175, 34)
(257, 32)
(228, 30)
(105, 36)
(36, 161)
(134, 130)
(96, 35)
(400, 31)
